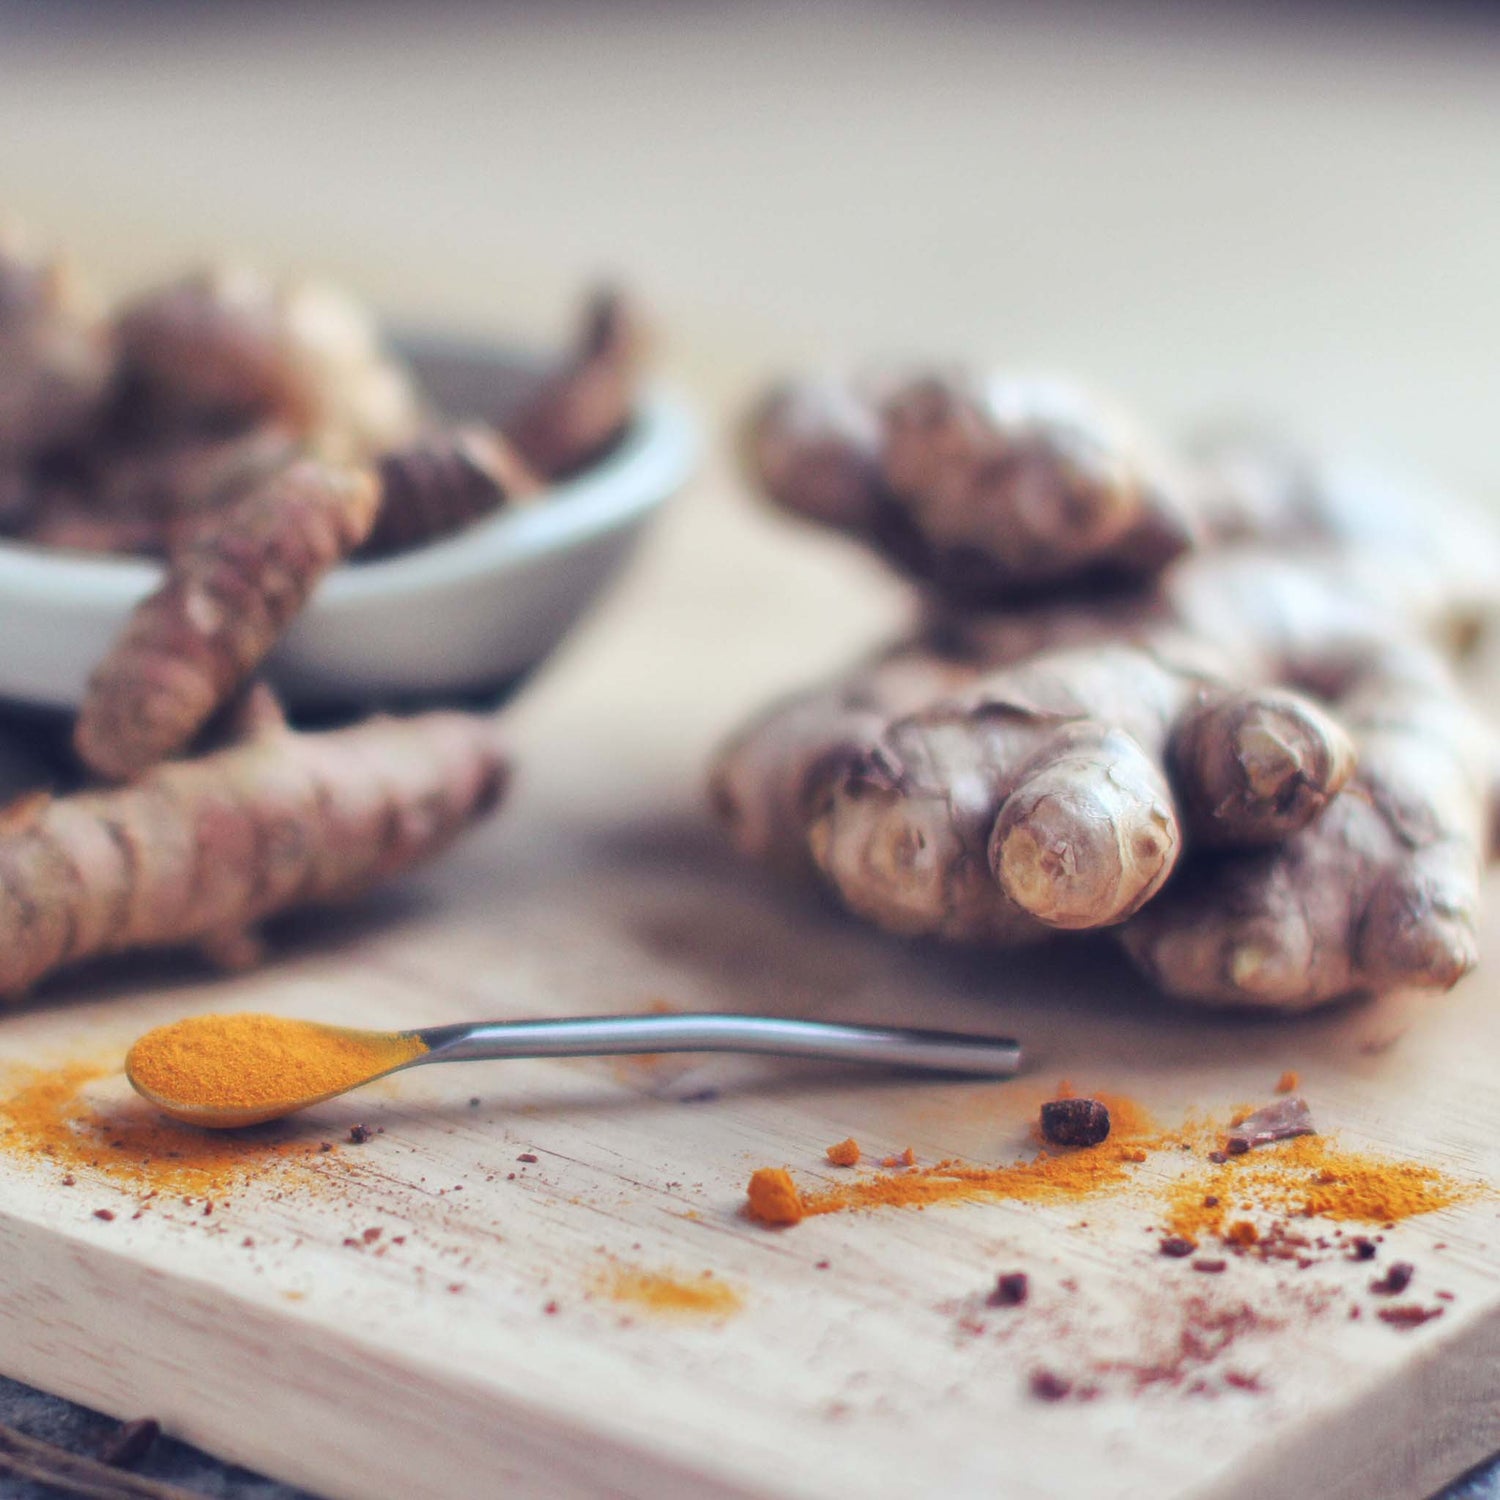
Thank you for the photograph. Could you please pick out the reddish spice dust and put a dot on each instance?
(82, 1119)
(844, 1153)
(666, 1292)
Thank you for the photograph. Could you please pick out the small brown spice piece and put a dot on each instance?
(104, 1213)
(1075, 1122)
(1210, 1267)
(1408, 1315)
(844, 1153)
(1396, 1279)
(1287, 1083)
(551, 1309)
(530, 1156)
(773, 1197)
(1011, 1289)
(129, 1443)
(1278, 1121)
(359, 1134)
(1177, 1246)
(1047, 1385)
(1242, 1234)
(371, 1235)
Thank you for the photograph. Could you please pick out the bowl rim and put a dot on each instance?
(651, 460)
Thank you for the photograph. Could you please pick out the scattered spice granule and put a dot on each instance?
(1210, 1267)
(551, 1309)
(1242, 1232)
(844, 1153)
(1288, 1082)
(1397, 1278)
(907, 1158)
(371, 1235)
(1362, 1248)
(359, 1134)
(1408, 1315)
(1011, 1289)
(1177, 1246)
(1047, 1385)
(822, 1265)
(107, 1214)
(665, 1292)
(529, 1156)
(773, 1197)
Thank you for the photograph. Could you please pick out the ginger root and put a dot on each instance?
(198, 852)
(1248, 756)
(228, 597)
(980, 489)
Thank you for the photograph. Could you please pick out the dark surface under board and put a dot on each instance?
(77, 1428)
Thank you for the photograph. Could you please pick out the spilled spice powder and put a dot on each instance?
(81, 1118)
(1052, 1176)
(1310, 1177)
(665, 1292)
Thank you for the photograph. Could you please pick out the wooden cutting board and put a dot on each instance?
(485, 1341)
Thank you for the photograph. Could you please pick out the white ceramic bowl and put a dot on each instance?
(463, 617)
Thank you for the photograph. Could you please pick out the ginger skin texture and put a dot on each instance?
(228, 597)
(199, 852)
(1254, 763)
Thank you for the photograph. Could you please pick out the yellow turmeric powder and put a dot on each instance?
(80, 1121)
(253, 1062)
(664, 1292)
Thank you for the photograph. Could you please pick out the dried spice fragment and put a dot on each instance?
(844, 1153)
(1281, 1120)
(1075, 1122)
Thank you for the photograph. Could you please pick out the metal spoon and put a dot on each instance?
(583, 1036)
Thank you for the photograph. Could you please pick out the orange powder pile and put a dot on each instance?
(80, 1120)
(662, 1292)
(773, 1197)
(844, 1153)
(1309, 1177)
(256, 1062)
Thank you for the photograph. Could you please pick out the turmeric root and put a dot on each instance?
(582, 408)
(228, 597)
(228, 347)
(57, 356)
(981, 490)
(442, 483)
(198, 852)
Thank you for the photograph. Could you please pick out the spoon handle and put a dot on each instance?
(596, 1036)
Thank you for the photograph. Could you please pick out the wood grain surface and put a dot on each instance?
(1186, 216)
